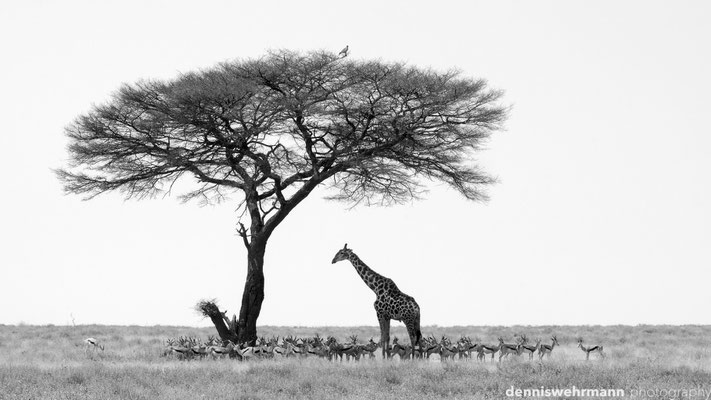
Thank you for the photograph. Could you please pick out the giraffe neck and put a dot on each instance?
(370, 277)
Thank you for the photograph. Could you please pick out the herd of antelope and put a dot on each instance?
(193, 348)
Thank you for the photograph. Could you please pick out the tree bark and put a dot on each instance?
(209, 309)
(253, 294)
(222, 329)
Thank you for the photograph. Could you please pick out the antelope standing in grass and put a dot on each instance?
(463, 348)
(545, 349)
(466, 345)
(430, 346)
(506, 348)
(91, 344)
(590, 349)
(337, 350)
(399, 349)
(530, 349)
(485, 349)
(353, 349)
(334, 349)
(447, 350)
(352, 352)
(370, 348)
(319, 349)
(480, 356)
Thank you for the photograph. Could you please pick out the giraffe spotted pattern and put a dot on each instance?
(390, 303)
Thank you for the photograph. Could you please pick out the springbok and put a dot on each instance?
(545, 349)
(470, 347)
(285, 350)
(318, 348)
(370, 348)
(530, 349)
(400, 350)
(352, 349)
(484, 350)
(222, 351)
(431, 346)
(447, 350)
(92, 344)
(590, 349)
(182, 351)
(505, 349)
(244, 352)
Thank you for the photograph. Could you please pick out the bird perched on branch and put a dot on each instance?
(344, 52)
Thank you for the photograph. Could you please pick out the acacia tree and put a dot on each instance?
(268, 131)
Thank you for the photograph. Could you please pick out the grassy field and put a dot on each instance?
(48, 362)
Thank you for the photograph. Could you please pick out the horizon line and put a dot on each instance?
(22, 324)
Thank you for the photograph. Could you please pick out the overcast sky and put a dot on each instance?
(602, 213)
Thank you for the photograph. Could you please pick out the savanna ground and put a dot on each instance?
(48, 362)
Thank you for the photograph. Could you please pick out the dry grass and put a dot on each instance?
(48, 362)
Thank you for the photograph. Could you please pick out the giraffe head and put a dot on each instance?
(343, 254)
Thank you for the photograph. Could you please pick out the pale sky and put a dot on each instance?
(602, 214)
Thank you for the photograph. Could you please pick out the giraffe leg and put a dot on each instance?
(418, 336)
(384, 335)
(413, 330)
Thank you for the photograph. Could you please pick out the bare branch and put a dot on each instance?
(242, 231)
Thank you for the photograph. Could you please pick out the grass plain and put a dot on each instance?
(49, 362)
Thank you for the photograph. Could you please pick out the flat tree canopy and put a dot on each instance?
(267, 131)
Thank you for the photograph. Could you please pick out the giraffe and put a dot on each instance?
(390, 303)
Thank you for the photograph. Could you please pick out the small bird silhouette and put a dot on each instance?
(344, 52)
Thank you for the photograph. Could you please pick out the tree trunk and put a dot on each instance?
(222, 329)
(253, 294)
